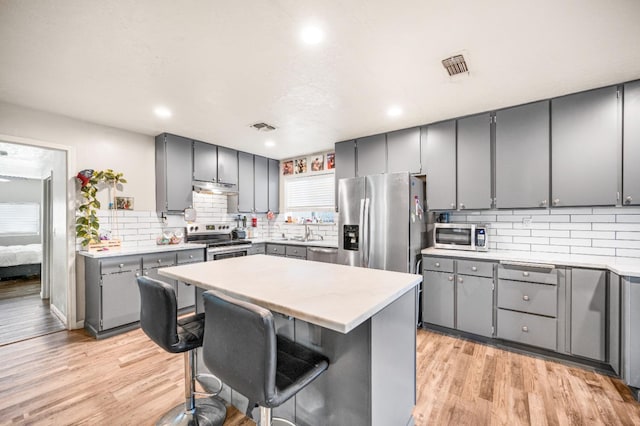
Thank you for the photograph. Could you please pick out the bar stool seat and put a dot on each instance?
(159, 321)
(242, 349)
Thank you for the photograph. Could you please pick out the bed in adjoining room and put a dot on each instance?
(20, 260)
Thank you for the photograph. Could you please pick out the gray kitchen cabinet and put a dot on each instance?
(630, 338)
(403, 151)
(275, 250)
(298, 252)
(259, 248)
(245, 182)
(439, 164)
(614, 298)
(227, 165)
(274, 185)
(474, 303)
(260, 184)
(205, 162)
(522, 156)
(438, 298)
(584, 148)
(345, 162)
(631, 147)
(186, 293)
(588, 313)
(120, 298)
(174, 164)
(372, 155)
(474, 162)
(154, 261)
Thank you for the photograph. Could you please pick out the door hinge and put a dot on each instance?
(493, 330)
(100, 324)
(618, 195)
(493, 286)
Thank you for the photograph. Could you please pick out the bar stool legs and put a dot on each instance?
(205, 411)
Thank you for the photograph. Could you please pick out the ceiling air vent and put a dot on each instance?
(455, 65)
(263, 127)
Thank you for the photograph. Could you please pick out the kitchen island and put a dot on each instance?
(363, 320)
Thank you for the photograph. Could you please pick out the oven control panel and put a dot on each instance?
(208, 228)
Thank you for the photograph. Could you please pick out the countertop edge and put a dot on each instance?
(623, 266)
(140, 250)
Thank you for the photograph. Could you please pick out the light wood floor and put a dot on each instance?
(69, 378)
(23, 314)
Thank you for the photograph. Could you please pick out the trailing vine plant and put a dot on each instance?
(87, 222)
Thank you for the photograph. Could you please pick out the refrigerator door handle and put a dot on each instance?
(367, 233)
(362, 232)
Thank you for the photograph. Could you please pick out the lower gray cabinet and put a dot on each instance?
(119, 295)
(588, 313)
(630, 318)
(298, 252)
(186, 293)
(276, 250)
(474, 305)
(438, 298)
(259, 248)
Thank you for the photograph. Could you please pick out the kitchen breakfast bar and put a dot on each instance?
(363, 320)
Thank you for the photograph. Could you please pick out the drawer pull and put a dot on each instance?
(121, 265)
(190, 256)
(437, 264)
(146, 274)
(525, 274)
(525, 328)
(460, 280)
(137, 274)
(474, 268)
(525, 298)
(159, 260)
(450, 277)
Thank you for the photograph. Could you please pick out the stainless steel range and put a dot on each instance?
(217, 237)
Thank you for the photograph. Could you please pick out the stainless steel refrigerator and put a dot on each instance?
(381, 221)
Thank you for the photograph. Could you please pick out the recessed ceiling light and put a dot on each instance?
(162, 112)
(312, 35)
(269, 143)
(394, 111)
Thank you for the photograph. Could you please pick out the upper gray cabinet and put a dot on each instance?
(522, 156)
(205, 162)
(439, 164)
(372, 155)
(403, 151)
(474, 162)
(584, 148)
(631, 155)
(345, 162)
(274, 185)
(227, 165)
(174, 165)
(245, 182)
(260, 184)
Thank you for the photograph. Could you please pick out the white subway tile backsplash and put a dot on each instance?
(571, 226)
(481, 219)
(593, 218)
(556, 218)
(626, 218)
(617, 210)
(593, 234)
(513, 246)
(593, 250)
(628, 235)
(512, 218)
(617, 243)
(532, 212)
(627, 253)
(616, 226)
(531, 240)
(501, 225)
(502, 239)
(577, 210)
(515, 232)
(550, 249)
(532, 225)
(570, 242)
(550, 233)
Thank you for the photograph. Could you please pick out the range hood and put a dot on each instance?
(214, 188)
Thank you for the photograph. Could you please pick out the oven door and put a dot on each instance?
(222, 252)
(220, 256)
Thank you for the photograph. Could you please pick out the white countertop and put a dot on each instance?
(141, 250)
(337, 297)
(288, 242)
(625, 266)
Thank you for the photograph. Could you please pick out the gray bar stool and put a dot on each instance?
(242, 349)
(159, 320)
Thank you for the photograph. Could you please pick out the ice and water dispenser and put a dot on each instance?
(351, 237)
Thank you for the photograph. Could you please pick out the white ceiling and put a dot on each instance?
(24, 161)
(223, 65)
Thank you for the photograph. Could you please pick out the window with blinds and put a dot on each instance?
(19, 219)
(309, 193)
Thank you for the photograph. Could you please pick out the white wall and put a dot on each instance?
(97, 147)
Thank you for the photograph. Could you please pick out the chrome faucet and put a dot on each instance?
(308, 233)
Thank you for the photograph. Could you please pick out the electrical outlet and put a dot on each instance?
(526, 222)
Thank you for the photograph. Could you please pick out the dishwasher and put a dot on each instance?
(322, 254)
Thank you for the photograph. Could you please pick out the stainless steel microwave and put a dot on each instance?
(461, 236)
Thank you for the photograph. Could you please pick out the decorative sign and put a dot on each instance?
(301, 166)
(317, 164)
(331, 160)
(287, 167)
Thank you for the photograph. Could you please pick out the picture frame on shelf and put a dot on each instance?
(124, 203)
(317, 164)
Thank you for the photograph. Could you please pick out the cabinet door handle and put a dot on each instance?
(525, 274)
(146, 274)
(525, 298)
(556, 201)
(121, 265)
(628, 200)
(525, 328)
(437, 264)
(137, 274)
(543, 203)
(460, 280)
(159, 260)
(461, 206)
(190, 256)
(450, 277)
(453, 205)
(474, 268)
